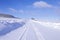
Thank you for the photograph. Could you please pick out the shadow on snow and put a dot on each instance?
(10, 27)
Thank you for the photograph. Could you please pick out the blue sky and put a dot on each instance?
(31, 8)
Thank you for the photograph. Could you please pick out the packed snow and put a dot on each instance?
(28, 29)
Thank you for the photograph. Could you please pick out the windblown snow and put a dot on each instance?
(28, 29)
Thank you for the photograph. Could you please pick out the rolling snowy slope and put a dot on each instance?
(28, 29)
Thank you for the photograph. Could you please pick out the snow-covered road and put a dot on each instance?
(33, 30)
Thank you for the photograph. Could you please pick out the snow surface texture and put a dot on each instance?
(28, 29)
(8, 25)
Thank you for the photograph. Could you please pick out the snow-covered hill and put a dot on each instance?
(6, 15)
(28, 29)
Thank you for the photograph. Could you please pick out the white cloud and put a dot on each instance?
(42, 4)
(16, 11)
(13, 10)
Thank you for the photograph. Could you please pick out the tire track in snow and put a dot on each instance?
(24, 33)
(37, 32)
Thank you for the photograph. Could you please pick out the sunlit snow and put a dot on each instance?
(28, 29)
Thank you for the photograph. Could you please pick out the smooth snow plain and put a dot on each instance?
(28, 29)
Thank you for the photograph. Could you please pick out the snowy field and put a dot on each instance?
(28, 29)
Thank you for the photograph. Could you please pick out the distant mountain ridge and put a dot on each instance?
(6, 16)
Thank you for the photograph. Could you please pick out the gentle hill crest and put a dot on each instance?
(6, 15)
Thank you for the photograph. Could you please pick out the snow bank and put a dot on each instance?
(7, 26)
